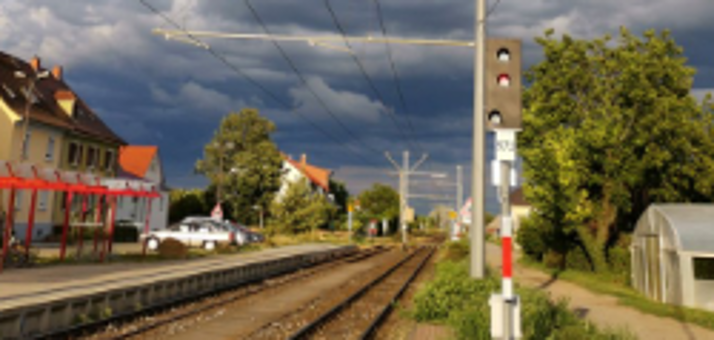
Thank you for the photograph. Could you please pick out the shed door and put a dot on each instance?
(654, 282)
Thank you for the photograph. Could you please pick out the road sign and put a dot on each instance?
(217, 213)
(452, 215)
(350, 207)
(506, 144)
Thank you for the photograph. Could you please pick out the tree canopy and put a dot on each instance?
(610, 127)
(381, 201)
(300, 210)
(251, 163)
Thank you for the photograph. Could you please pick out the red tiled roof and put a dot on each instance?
(46, 110)
(318, 176)
(64, 95)
(136, 160)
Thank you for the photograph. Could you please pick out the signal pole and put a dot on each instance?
(478, 174)
(404, 171)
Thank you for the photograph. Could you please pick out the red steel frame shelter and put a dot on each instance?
(25, 176)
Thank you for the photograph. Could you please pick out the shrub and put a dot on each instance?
(553, 259)
(451, 290)
(577, 259)
(532, 239)
(462, 303)
(173, 249)
(457, 250)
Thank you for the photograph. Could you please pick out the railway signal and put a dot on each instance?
(503, 83)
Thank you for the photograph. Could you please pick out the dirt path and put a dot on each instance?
(604, 310)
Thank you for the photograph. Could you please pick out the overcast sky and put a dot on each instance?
(157, 92)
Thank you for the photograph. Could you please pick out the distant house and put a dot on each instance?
(294, 171)
(141, 165)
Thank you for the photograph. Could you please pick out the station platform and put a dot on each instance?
(42, 300)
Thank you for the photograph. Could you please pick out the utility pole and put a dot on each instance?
(221, 148)
(404, 171)
(459, 196)
(478, 175)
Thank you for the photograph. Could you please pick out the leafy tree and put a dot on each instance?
(381, 201)
(251, 163)
(299, 211)
(184, 203)
(608, 129)
(339, 191)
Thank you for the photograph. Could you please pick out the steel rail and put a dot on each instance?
(96, 326)
(313, 326)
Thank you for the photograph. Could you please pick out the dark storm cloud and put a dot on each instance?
(171, 94)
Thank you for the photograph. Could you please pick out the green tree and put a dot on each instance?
(183, 202)
(251, 163)
(340, 193)
(381, 201)
(299, 211)
(608, 129)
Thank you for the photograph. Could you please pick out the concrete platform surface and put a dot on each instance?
(20, 285)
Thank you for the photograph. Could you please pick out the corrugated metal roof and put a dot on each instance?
(692, 224)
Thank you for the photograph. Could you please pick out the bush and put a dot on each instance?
(619, 259)
(173, 249)
(553, 259)
(577, 259)
(462, 303)
(457, 250)
(532, 239)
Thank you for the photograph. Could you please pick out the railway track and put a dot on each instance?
(134, 325)
(361, 312)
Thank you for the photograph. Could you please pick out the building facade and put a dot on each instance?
(45, 123)
(141, 165)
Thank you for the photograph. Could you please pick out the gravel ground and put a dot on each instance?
(174, 328)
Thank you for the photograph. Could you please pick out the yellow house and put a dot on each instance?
(62, 133)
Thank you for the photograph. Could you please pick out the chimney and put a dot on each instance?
(57, 72)
(303, 160)
(35, 63)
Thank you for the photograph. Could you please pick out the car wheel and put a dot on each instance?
(152, 244)
(209, 245)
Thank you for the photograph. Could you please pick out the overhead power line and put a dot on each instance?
(362, 69)
(395, 74)
(252, 81)
(302, 78)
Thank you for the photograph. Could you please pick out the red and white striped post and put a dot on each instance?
(507, 257)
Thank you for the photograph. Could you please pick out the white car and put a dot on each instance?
(205, 234)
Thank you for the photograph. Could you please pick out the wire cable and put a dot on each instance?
(297, 72)
(252, 81)
(362, 69)
(395, 74)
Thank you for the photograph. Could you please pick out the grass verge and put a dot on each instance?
(627, 296)
(452, 298)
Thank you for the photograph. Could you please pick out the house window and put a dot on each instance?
(91, 157)
(50, 155)
(42, 204)
(108, 159)
(75, 153)
(26, 143)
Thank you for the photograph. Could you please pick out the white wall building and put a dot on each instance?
(294, 171)
(141, 165)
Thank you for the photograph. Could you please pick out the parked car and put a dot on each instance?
(253, 237)
(193, 234)
(242, 236)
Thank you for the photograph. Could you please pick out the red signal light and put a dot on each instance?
(504, 80)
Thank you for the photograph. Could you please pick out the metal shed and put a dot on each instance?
(673, 254)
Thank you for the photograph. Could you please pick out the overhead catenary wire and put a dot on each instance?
(362, 69)
(299, 74)
(254, 82)
(393, 67)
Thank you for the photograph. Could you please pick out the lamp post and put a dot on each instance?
(30, 90)
(221, 148)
